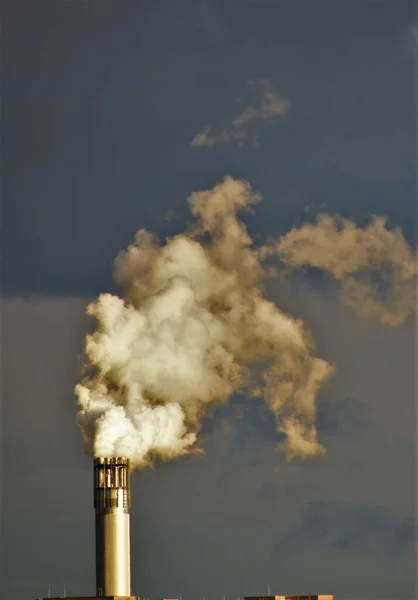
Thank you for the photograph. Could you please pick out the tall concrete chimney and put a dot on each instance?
(111, 502)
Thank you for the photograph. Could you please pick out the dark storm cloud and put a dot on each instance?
(100, 102)
(44, 509)
(346, 416)
(246, 421)
(43, 505)
(351, 527)
(210, 22)
(100, 107)
(227, 508)
(252, 433)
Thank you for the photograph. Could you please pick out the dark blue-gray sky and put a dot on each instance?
(101, 101)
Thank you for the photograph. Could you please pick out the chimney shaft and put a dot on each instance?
(111, 503)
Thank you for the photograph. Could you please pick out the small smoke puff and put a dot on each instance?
(376, 267)
(270, 105)
(192, 329)
(301, 440)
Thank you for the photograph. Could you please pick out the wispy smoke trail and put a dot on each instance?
(375, 266)
(270, 105)
(193, 328)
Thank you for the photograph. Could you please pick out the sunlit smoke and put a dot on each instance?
(270, 105)
(193, 328)
(375, 266)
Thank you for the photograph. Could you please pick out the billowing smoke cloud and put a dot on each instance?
(193, 328)
(270, 105)
(375, 266)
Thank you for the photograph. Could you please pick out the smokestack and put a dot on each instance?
(111, 503)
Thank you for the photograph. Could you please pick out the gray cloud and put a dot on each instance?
(240, 496)
(270, 105)
(210, 22)
(346, 416)
(351, 527)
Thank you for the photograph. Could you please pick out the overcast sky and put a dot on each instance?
(113, 113)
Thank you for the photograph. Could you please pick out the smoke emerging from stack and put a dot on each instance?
(193, 328)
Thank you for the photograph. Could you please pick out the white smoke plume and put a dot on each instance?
(193, 328)
(375, 266)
